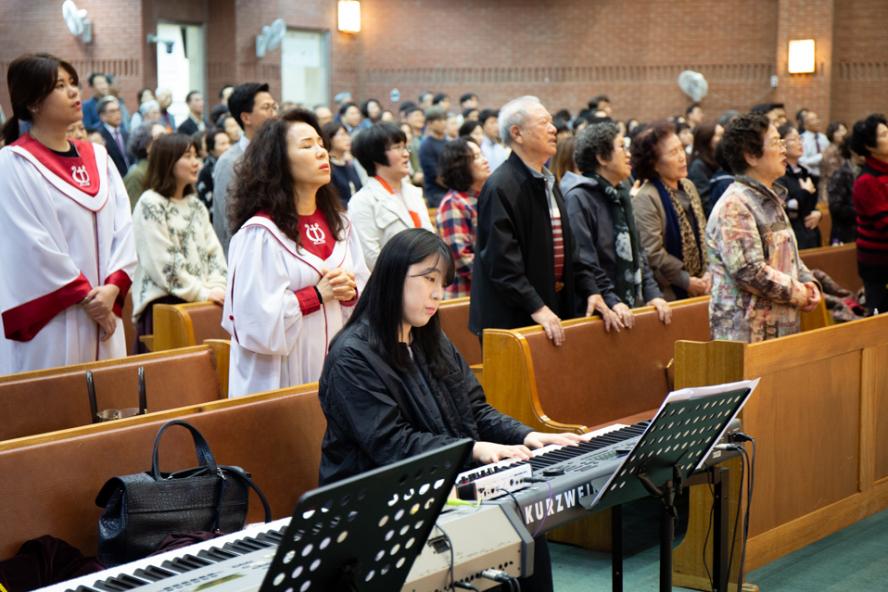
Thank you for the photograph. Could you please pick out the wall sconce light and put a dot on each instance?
(349, 16)
(801, 56)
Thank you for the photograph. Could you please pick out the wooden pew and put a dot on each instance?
(820, 419)
(454, 317)
(183, 325)
(595, 377)
(50, 484)
(838, 262)
(56, 398)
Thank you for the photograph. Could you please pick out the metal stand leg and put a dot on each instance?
(721, 479)
(667, 534)
(617, 548)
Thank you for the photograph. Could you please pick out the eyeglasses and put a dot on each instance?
(272, 107)
(776, 143)
(399, 148)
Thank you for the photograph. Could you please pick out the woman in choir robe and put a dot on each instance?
(65, 229)
(295, 266)
(394, 386)
(180, 257)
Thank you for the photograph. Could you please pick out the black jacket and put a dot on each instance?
(799, 203)
(593, 228)
(377, 414)
(514, 272)
(114, 150)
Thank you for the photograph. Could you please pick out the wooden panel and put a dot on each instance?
(876, 422)
(454, 317)
(597, 376)
(805, 421)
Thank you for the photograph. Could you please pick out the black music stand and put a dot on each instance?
(679, 439)
(365, 532)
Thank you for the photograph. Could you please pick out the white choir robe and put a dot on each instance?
(272, 344)
(57, 243)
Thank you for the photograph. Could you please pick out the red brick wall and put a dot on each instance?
(860, 59)
(563, 50)
(38, 26)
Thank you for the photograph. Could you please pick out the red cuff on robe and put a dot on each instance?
(123, 282)
(24, 321)
(351, 302)
(308, 300)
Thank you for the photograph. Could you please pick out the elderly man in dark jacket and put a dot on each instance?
(600, 212)
(526, 268)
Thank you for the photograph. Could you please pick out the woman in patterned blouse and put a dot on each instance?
(180, 258)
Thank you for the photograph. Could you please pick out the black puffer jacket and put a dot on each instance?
(377, 414)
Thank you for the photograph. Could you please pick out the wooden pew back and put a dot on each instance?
(839, 262)
(56, 398)
(595, 376)
(454, 317)
(50, 486)
(183, 325)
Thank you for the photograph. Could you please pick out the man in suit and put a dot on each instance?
(527, 268)
(195, 122)
(251, 105)
(113, 133)
(101, 87)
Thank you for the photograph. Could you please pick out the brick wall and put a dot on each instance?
(563, 50)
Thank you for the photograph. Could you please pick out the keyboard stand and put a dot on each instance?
(719, 478)
(675, 445)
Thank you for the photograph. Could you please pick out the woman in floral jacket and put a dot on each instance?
(759, 282)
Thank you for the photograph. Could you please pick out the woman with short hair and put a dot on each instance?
(669, 214)
(345, 175)
(759, 282)
(180, 258)
(389, 202)
(602, 219)
(801, 191)
(464, 169)
(295, 262)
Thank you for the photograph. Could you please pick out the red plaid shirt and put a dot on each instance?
(457, 219)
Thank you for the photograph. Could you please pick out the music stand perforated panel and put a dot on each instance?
(365, 532)
(681, 435)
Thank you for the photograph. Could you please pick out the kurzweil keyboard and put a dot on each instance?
(559, 477)
(476, 538)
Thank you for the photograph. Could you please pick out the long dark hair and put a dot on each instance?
(703, 144)
(166, 151)
(264, 182)
(382, 302)
(30, 79)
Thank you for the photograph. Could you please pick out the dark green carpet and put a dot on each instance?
(853, 559)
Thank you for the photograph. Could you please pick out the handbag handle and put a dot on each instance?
(245, 477)
(204, 456)
(91, 393)
(143, 396)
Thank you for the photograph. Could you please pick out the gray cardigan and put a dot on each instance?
(593, 226)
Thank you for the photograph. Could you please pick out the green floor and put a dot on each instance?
(852, 560)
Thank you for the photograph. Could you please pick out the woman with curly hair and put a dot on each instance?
(295, 262)
(669, 214)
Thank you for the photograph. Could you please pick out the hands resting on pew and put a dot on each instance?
(99, 305)
(617, 318)
(488, 452)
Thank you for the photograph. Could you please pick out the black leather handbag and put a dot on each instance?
(141, 510)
